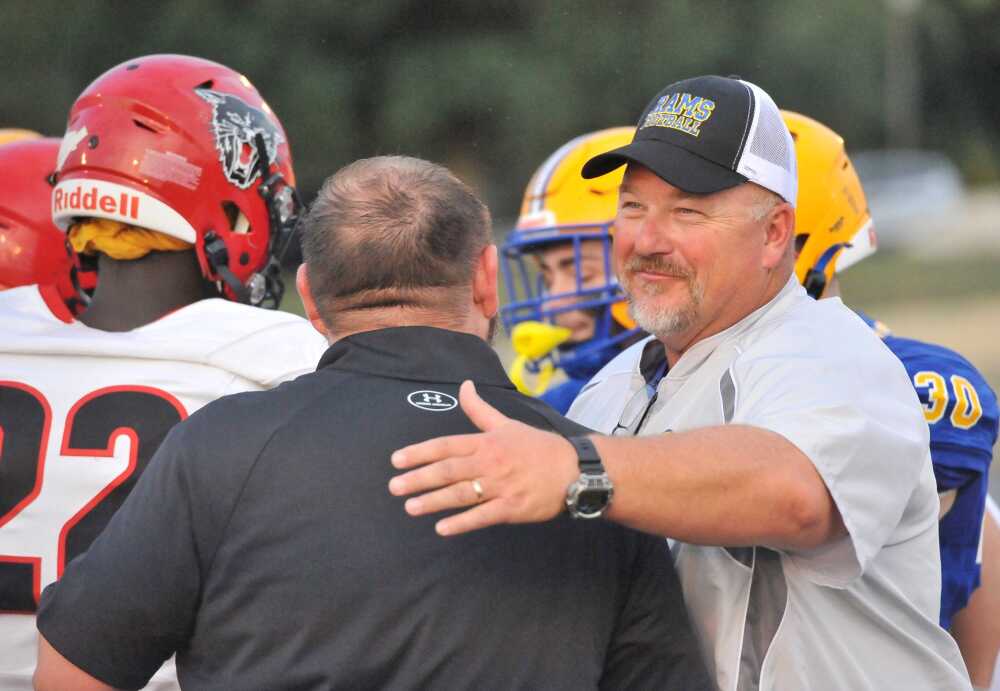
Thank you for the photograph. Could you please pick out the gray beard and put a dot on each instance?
(665, 322)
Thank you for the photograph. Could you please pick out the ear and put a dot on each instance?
(305, 292)
(779, 238)
(484, 284)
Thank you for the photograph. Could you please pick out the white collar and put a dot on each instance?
(698, 352)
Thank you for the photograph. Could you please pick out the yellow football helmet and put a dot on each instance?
(560, 206)
(833, 226)
(558, 197)
(14, 134)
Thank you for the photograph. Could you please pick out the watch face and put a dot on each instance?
(592, 500)
(589, 496)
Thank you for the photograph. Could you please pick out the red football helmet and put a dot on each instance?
(32, 249)
(186, 147)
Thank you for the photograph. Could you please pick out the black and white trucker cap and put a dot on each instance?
(707, 134)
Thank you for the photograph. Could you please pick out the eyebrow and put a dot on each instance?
(683, 197)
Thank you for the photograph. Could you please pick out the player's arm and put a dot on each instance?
(947, 500)
(56, 673)
(732, 485)
(976, 627)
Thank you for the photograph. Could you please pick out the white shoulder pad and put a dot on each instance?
(266, 347)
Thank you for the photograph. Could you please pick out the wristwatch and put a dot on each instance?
(589, 496)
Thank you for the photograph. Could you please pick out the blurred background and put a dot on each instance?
(491, 88)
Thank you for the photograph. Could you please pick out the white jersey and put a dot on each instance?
(83, 410)
(860, 613)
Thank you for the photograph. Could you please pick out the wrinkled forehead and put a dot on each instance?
(639, 180)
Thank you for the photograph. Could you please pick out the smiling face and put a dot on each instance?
(558, 268)
(693, 265)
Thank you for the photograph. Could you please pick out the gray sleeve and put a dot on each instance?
(859, 423)
(653, 645)
(125, 605)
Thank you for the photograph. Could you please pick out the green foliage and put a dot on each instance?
(887, 278)
(490, 88)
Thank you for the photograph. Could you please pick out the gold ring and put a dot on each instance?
(477, 487)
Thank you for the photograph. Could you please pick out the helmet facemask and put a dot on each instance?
(530, 301)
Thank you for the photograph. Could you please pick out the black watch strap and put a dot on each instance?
(586, 453)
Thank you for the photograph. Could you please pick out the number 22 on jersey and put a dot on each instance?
(63, 474)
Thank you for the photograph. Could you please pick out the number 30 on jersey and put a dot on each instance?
(967, 410)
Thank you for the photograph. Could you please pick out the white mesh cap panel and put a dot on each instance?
(768, 140)
(769, 155)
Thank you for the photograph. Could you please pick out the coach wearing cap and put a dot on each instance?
(796, 479)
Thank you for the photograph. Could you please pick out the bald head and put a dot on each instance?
(391, 232)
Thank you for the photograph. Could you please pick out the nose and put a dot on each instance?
(653, 236)
(563, 282)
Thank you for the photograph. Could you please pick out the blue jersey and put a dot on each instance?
(961, 410)
(579, 365)
(561, 397)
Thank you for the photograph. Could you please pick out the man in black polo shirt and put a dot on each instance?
(262, 545)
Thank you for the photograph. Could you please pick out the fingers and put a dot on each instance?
(456, 496)
(438, 475)
(492, 472)
(482, 414)
(482, 516)
(434, 450)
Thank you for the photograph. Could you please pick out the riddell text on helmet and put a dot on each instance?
(92, 199)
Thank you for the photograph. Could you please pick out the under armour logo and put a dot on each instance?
(432, 400)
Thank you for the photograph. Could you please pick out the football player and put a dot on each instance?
(833, 231)
(565, 309)
(32, 248)
(177, 176)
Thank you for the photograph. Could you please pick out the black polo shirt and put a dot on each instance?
(263, 546)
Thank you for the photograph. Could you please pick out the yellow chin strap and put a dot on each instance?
(120, 241)
(532, 341)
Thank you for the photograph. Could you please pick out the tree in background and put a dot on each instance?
(489, 87)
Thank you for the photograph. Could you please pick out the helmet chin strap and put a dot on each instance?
(815, 279)
(217, 255)
(80, 298)
(814, 283)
